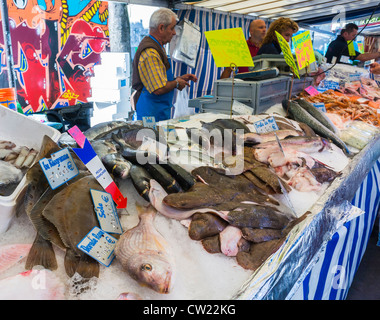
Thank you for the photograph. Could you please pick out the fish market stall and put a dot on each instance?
(264, 241)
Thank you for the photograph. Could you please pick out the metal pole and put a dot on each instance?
(7, 43)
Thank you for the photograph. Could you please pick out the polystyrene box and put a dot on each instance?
(22, 131)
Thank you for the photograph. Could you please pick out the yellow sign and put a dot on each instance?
(351, 48)
(287, 54)
(304, 49)
(229, 46)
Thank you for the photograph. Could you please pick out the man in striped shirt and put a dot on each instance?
(152, 75)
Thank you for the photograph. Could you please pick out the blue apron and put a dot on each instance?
(152, 105)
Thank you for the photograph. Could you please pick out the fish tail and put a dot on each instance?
(41, 253)
(71, 262)
(88, 267)
(81, 264)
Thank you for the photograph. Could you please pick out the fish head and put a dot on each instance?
(151, 269)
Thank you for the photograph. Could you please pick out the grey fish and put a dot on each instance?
(256, 216)
(114, 162)
(230, 124)
(101, 130)
(301, 115)
(317, 114)
(255, 138)
(140, 179)
(145, 254)
(204, 225)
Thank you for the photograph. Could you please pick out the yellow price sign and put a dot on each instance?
(351, 48)
(304, 49)
(287, 54)
(229, 46)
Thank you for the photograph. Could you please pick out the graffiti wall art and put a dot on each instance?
(55, 45)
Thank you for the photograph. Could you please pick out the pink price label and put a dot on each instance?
(78, 136)
(312, 91)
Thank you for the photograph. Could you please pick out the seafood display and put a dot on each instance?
(227, 190)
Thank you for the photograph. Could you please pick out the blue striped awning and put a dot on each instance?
(332, 275)
(205, 69)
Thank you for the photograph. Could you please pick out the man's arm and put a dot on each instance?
(368, 56)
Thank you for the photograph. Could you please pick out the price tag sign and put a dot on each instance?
(106, 212)
(229, 46)
(99, 245)
(149, 122)
(266, 125)
(312, 91)
(351, 48)
(60, 168)
(303, 49)
(321, 106)
(285, 48)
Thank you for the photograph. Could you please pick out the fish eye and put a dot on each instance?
(146, 267)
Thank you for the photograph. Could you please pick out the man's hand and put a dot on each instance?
(374, 68)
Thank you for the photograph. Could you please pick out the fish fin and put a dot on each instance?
(41, 253)
(82, 264)
(88, 267)
(144, 211)
(71, 262)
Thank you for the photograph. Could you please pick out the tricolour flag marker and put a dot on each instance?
(93, 163)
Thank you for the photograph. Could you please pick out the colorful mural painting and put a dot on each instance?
(55, 45)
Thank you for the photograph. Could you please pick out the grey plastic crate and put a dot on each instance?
(300, 84)
(242, 89)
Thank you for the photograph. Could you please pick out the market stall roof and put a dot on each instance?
(298, 10)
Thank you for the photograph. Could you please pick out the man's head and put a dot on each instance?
(257, 30)
(162, 25)
(349, 31)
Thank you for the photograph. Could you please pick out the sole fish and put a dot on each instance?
(145, 254)
(255, 138)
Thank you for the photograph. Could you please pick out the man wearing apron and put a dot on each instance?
(152, 75)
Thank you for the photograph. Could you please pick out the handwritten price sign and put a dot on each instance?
(288, 56)
(304, 49)
(229, 46)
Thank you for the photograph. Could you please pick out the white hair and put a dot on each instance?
(161, 16)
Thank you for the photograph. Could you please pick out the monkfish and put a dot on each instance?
(145, 254)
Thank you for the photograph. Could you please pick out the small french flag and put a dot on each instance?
(93, 163)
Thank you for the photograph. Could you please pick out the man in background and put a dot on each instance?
(152, 75)
(338, 51)
(257, 31)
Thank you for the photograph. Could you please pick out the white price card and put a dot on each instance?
(99, 245)
(266, 125)
(60, 168)
(149, 122)
(106, 211)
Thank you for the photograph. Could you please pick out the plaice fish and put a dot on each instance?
(10, 254)
(32, 285)
(145, 254)
(72, 213)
